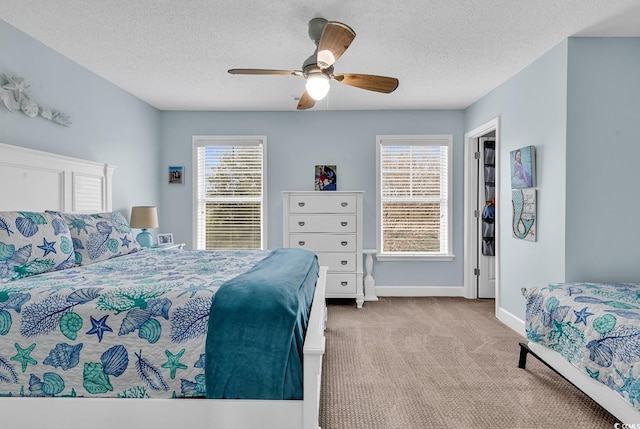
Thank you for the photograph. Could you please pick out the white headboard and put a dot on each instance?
(33, 180)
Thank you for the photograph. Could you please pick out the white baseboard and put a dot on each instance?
(511, 321)
(420, 291)
(502, 315)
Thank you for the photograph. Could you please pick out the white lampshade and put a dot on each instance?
(317, 85)
(144, 217)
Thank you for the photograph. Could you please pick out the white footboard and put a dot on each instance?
(313, 353)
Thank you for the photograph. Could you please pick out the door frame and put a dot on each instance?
(470, 203)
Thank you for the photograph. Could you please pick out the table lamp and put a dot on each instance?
(144, 217)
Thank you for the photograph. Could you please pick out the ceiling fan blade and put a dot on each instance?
(368, 81)
(266, 72)
(336, 38)
(306, 102)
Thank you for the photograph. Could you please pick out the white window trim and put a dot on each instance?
(204, 140)
(398, 140)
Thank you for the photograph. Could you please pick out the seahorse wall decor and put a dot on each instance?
(14, 96)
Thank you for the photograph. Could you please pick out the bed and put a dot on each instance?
(589, 333)
(171, 306)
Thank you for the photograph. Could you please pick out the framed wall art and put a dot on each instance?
(523, 167)
(524, 214)
(176, 175)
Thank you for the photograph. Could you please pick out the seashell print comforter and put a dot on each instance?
(129, 327)
(594, 326)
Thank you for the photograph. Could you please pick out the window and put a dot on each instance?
(414, 197)
(229, 197)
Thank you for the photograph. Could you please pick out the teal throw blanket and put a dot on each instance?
(257, 324)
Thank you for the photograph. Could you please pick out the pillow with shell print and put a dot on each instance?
(33, 243)
(100, 236)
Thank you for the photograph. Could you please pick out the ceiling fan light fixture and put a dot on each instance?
(317, 85)
(332, 39)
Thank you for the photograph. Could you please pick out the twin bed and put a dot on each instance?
(90, 322)
(590, 334)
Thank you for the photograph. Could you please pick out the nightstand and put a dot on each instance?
(174, 246)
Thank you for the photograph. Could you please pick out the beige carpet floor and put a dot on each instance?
(439, 363)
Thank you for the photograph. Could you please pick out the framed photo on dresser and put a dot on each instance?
(326, 178)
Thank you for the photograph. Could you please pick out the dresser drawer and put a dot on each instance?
(324, 223)
(323, 204)
(324, 242)
(345, 262)
(341, 284)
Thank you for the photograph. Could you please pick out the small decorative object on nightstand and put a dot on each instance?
(144, 217)
(164, 239)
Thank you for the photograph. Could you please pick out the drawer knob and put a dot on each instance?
(301, 243)
(344, 283)
(344, 223)
(344, 243)
(301, 204)
(343, 262)
(301, 223)
(344, 204)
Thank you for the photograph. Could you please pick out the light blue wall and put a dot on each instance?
(603, 150)
(109, 124)
(296, 142)
(532, 109)
(577, 104)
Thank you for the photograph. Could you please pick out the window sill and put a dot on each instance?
(397, 258)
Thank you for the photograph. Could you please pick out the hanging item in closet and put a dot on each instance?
(488, 228)
(488, 214)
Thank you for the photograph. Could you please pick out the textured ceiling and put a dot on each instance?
(446, 53)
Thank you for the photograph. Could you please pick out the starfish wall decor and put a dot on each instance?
(14, 96)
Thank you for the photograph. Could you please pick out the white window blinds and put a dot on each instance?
(414, 195)
(230, 192)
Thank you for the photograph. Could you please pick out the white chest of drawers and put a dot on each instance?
(330, 225)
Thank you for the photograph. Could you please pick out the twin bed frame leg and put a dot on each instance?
(524, 350)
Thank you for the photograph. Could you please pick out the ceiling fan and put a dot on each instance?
(332, 39)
